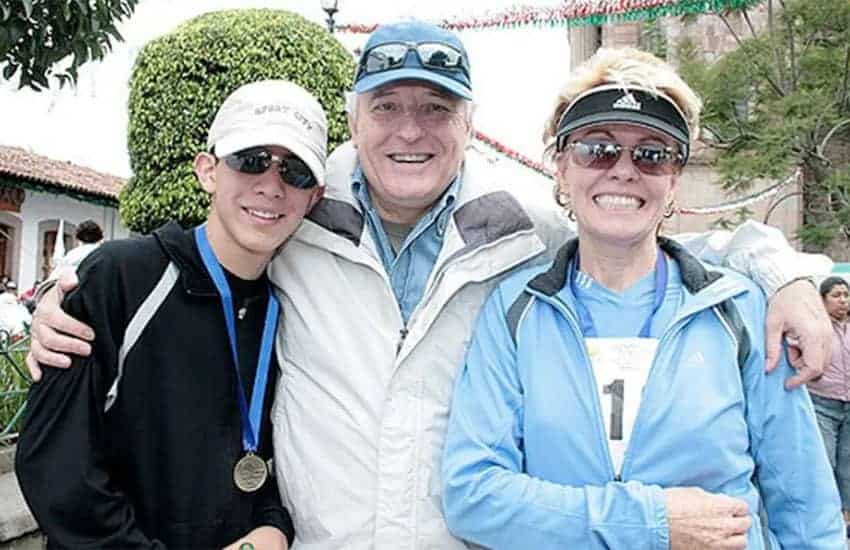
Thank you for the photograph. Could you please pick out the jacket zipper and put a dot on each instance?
(430, 289)
(597, 406)
(382, 274)
(402, 334)
(669, 333)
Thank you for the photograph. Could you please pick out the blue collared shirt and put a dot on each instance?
(410, 268)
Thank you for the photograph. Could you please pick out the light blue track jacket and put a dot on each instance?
(526, 462)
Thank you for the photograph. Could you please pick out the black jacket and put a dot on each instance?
(157, 468)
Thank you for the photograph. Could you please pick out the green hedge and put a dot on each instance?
(180, 79)
(14, 384)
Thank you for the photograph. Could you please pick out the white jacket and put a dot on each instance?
(362, 403)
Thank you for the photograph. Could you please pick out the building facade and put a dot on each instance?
(38, 197)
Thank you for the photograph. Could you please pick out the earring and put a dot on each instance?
(670, 209)
(562, 198)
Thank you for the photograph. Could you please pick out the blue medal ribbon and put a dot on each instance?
(587, 327)
(252, 417)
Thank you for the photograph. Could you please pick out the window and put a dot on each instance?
(47, 231)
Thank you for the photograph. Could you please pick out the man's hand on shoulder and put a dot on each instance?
(797, 313)
(55, 334)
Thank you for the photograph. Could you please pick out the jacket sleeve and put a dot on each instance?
(758, 251)
(487, 497)
(792, 470)
(61, 459)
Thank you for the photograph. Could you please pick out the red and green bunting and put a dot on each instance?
(515, 156)
(578, 12)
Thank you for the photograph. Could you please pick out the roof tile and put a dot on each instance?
(17, 162)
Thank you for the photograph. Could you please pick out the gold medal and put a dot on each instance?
(250, 473)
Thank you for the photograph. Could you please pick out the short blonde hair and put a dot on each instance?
(626, 67)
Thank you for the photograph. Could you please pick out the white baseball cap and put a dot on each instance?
(272, 112)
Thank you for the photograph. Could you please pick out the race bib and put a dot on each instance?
(621, 367)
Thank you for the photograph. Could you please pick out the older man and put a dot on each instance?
(383, 282)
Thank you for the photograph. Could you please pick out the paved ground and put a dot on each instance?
(15, 518)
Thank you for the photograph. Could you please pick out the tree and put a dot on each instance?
(179, 81)
(36, 35)
(780, 101)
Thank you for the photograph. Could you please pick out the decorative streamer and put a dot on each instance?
(744, 201)
(574, 13)
(515, 156)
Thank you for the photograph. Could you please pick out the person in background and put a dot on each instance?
(28, 297)
(381, 286)
(15, 318)
(605, 394)
(831, 392)
(10, 288)
(162, 436)
(89, 236)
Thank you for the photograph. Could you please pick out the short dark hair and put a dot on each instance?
(89, 232)
(831, 282)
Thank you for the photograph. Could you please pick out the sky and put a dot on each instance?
(516, 75)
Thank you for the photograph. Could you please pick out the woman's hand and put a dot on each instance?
(699, 519)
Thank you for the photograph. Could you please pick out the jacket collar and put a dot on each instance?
(695, 276)
(179, 246)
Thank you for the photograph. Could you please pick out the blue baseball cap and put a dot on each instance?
(412, 33)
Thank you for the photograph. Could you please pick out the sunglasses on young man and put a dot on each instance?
(651, 159)
(257, 160)
(432, 55)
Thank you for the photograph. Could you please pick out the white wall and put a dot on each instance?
(38, 207)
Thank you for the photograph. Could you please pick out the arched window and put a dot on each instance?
(10, 245)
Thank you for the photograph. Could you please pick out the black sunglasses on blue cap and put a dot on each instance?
(256, 160)
(392, 55)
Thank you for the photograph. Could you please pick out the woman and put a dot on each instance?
(831, 393)
(616, 398)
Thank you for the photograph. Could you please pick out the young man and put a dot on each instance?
(163, 438)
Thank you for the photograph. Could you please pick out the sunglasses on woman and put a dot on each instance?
(651, 159)
(432, 55)
(257, 160)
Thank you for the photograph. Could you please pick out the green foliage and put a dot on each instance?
(14, 382)
(818, 235)
(831, 208)
(35, 35)
(179, 81)
(172, 194)
(780, 101)
(653, 39)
